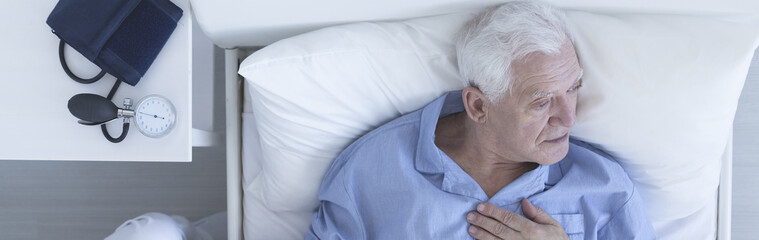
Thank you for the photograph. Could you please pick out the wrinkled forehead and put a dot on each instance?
(543, 72)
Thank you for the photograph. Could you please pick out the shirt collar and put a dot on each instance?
(431, 160)
(530, 183)
(428, 158)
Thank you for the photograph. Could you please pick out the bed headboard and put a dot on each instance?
(241, 23)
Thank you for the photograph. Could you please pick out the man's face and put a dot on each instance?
(532, 122)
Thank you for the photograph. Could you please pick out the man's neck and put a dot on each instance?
(455, 136)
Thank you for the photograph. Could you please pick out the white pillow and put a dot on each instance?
(660, 94)
(316, 93)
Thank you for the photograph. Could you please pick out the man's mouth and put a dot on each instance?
(559, 139)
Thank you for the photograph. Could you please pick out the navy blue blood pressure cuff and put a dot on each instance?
(122, 37)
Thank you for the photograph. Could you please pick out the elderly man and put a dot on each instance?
(472, 162)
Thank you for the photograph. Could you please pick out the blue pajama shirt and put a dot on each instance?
(394, 183)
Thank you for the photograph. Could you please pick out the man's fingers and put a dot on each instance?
(529, 210)
(509, 218)
(491, 225)
(492, 222)
(481, 234)
(536, 214)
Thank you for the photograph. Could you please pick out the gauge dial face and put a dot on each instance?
(155, 116)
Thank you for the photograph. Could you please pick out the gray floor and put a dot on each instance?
(746, 159)
(88, 200)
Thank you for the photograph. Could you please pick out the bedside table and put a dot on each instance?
(35, 123)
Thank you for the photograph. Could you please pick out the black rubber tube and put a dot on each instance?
(66, 69)
(125, 129)
(124, 132)
(100, 75)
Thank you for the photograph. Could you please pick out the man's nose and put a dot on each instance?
(563, 113)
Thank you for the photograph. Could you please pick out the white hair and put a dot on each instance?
(492, 41)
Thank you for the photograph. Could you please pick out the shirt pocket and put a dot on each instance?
(573, 223)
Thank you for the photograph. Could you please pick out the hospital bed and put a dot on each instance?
(662, 81)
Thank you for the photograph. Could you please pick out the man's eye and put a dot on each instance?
(544, 104)
(574, 89)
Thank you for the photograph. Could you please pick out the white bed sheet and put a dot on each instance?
(706, 218)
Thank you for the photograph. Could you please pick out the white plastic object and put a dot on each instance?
(149, 226)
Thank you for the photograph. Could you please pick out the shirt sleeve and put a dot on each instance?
(336, 217)
(629, 222)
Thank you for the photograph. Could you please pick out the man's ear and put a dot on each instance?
(474, 103)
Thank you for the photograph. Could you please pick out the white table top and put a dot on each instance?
(35, 123)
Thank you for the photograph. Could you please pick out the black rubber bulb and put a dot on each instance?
(92, 109)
